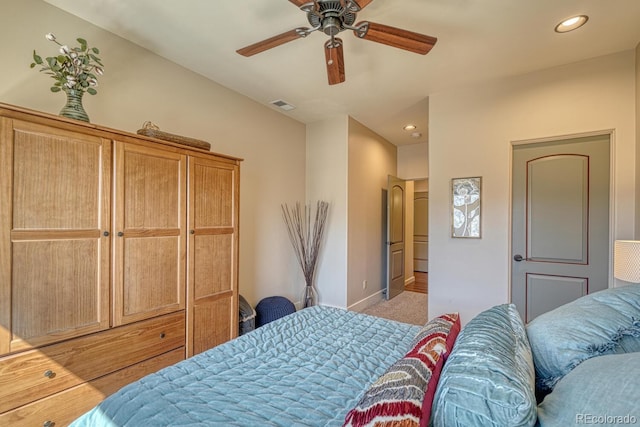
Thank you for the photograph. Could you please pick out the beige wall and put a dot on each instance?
(326, 176)
(471, 130)
(139, 86)
(348, 165)
(371, 160)
(413, 161)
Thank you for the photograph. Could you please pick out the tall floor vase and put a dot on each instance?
(310, 296)
(73, 109)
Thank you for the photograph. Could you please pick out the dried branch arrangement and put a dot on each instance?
(306, 238)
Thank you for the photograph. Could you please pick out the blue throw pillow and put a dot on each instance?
(488, 379)
(601, 391)
(604, 322)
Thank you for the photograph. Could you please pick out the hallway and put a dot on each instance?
(421, 283)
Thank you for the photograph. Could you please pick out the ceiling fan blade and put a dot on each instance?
(335, 61)
(396, 37)
(271, 42)
(362, 3)
(299, 2)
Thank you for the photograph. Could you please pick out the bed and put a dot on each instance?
(325, 366)
(306, 369)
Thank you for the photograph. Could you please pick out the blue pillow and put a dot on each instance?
(488, 379)
(601, 391)
(604, 322)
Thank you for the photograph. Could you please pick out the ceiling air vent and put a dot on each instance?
(283, 105)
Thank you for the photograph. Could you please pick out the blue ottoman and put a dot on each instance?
(273, 308)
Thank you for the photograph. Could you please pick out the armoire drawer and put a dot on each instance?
(34, 374)
(62, 408)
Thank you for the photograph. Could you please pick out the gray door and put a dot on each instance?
(560, 228)
(395, 236)
(421, 231)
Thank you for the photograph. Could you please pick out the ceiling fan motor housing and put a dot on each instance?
(331, 16)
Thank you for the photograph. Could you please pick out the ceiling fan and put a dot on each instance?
(334, 16)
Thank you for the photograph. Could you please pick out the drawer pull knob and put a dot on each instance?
(106, 234)
(48, 424)
(120, 234)
(162, 335)
(49, 373)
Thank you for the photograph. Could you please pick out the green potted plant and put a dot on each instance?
(75, 71)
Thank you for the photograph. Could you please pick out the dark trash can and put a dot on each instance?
(273, 308)
(247, 317)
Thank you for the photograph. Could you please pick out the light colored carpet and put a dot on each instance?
(408, 307)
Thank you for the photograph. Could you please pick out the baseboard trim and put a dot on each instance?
(367, 302)
(411, 280)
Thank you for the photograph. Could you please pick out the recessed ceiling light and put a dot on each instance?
(571, 24)
(409, 127)
(416, 135)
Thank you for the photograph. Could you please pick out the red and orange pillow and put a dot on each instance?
(403, 395)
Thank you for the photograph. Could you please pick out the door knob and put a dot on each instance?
(518, 258)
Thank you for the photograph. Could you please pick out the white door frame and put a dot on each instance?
(607, 132)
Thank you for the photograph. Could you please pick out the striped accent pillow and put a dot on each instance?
(402, 396)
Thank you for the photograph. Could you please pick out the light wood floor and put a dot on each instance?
(421, 284)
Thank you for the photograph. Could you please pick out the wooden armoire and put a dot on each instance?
(118, 257)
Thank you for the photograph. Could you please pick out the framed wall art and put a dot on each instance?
(466, 198)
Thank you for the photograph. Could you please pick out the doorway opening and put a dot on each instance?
(407, 236)
(418, 237)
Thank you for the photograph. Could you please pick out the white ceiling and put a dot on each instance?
(385, 87)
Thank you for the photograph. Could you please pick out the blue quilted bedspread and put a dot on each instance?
(306, 369)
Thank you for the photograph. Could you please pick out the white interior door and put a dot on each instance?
(396, 194)
(560, 228)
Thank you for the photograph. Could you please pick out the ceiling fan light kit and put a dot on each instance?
(334, 16)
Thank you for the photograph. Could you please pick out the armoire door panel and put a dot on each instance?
(151, 261)
(61, 295)
(213, 258)
(152, 190)
(212, 179)
(42, 178)
(150, 242)
(215, 315)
